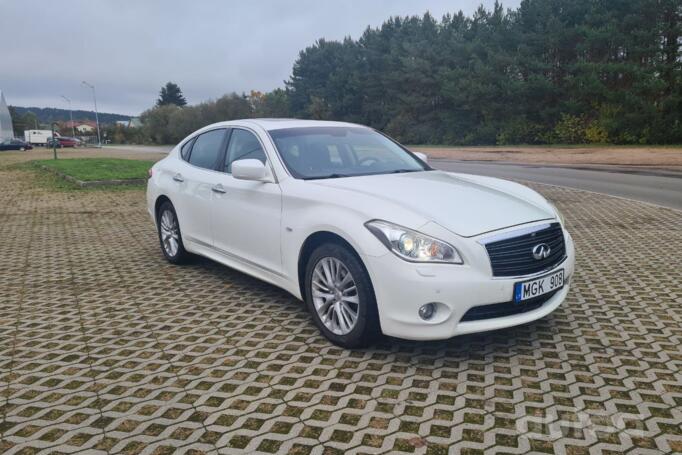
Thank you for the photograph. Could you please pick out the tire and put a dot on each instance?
(170, 237)
(365, 329)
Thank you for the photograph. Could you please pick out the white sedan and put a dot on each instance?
(364, 231)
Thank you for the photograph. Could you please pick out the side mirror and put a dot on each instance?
(250, 169)
(422, 156)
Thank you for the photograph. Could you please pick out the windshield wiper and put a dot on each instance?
(336, 175)
(328, 176)
(401, 171)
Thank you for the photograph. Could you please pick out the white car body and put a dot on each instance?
(38, 137)
(260, 228)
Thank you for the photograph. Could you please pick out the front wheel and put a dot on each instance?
(340, 297)
(170, 236)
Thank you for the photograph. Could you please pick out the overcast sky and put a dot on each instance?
(129, 49)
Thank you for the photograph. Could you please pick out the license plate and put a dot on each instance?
(535, 288)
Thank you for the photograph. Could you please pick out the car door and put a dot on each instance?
(197, 176)
(246, 218)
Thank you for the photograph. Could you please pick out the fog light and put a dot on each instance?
(427, 311)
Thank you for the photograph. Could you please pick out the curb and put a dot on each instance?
(93, 183)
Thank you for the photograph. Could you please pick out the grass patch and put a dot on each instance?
(53, 182)
(90, 169)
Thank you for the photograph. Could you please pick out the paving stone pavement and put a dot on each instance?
(106, 348)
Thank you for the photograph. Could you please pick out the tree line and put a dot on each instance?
(27, 118)
(549, 71)
(170, 120)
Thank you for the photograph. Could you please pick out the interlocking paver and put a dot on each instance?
(106, 348)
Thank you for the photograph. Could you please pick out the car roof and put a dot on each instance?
(271, 124)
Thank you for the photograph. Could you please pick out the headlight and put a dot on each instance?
(558, 214)
(413, 246)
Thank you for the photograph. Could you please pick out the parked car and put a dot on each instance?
(15, 144)
(364, 231)
(63, 141)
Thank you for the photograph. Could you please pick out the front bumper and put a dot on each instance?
(401, 288)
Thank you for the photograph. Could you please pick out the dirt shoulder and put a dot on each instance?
(660, 157)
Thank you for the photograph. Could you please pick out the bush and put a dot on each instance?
(157, 122)
(596, 133)
(169, 124)
(570, 130)
(520, 131)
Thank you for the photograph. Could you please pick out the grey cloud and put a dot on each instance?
(128, 49)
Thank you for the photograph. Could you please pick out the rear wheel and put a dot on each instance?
(340, 297)
(170, 236)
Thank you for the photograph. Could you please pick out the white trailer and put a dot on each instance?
(38, 137)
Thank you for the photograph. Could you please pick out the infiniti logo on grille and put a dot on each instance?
(541, 251)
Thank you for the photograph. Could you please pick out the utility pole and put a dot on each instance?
(73, 128)
(54, 141)
(94, 96)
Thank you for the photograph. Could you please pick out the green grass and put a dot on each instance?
(89, 169)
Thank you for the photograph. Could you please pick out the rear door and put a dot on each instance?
(196, 179)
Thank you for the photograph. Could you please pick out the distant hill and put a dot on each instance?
(51, 114)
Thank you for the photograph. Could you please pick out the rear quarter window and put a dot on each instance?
(207, 149)
(185, 149)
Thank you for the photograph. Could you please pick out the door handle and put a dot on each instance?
(178, 178)
(218, 189)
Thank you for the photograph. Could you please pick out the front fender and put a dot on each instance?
(302, 221)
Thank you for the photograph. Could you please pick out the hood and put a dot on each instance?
(467, 205)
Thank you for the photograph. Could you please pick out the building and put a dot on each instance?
(84, 128)
(134, 122)
(6, 129)
(69, 124)
(81, 126)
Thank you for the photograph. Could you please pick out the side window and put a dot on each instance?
(206, 149)
(185, 149)
(243, 145)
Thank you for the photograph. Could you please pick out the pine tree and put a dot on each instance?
(612, 68)
(171, 94)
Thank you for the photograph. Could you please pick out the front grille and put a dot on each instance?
(514, 256)
(498, 310)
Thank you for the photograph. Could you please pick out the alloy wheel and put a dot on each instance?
(335, 295)
(170, 233)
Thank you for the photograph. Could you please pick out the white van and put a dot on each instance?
(38, 137)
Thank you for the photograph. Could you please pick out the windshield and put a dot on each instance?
(330, 152)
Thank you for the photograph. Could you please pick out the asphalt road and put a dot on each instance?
(653, 186)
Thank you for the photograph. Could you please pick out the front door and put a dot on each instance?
(246, 217)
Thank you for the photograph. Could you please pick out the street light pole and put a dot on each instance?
(94, 96)
(73, 127)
